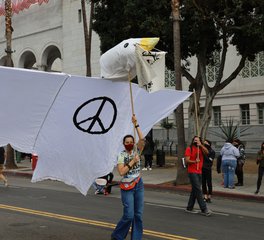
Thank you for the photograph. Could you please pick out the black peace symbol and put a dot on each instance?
(95, 118)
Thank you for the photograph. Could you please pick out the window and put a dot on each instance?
(255, 68)
(260, 107)
(169, 78)
(79, 15)
(245, 114)
(212, 69)
(201, 113)
(217, 116)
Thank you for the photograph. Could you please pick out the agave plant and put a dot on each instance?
(230, 130)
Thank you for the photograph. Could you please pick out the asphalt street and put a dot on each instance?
(53, 210)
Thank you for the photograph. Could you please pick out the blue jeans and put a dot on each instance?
(196, 193)
(228, 168)
(133, 204)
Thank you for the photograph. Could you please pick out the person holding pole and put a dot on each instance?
(132, 188)
(194, 157)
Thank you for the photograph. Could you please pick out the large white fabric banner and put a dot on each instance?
(75, 124)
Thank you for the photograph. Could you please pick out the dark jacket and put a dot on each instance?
(242, 156)
(219, 163)
(2, 155)
(260, 159)
(149, 147)
(208, 159)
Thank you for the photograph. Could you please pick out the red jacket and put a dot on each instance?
(194, 167)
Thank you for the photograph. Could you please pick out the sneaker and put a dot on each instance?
(239, 184)
(257, 191)
(144, 169)
(6, 184)
(191, 210)
(209, 200)
(206, 212)
(150, 169)
(98, 192)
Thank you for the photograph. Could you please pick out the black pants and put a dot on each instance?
(239, 173)
(260, 175)
(207, 181)
(148, 160)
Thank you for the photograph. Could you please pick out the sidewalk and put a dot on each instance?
(162, 178)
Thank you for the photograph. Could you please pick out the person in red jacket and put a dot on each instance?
(194, 157)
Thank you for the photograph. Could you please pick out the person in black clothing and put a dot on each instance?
(148, 153)
(240, 162)
(207, 172)
(2, 161)
(260, 162)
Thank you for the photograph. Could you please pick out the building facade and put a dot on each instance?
(50, 37)
(242, 101)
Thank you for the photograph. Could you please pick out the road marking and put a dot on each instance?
(182, 208)
(159, 235)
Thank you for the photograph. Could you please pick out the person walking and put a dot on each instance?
(260, 162)
(148, 153)
(207, 172)
(240, 162)
(132, 187)
(229, 155)
(194, 157)
(2, 162)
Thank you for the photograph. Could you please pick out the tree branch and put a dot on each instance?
(233, 75)
(223, 59)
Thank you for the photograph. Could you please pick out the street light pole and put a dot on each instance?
(181, 173)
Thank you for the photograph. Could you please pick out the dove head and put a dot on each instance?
(120, 60)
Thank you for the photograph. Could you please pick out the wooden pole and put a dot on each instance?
(197, 125)
(131, 101)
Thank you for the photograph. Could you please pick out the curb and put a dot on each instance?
(164, 187)
(187, 189)
(16, 173)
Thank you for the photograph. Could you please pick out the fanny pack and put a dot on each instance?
(128, 184)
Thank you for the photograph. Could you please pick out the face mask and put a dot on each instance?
(129, 147)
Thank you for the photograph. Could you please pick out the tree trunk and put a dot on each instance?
(181, 177)
(10, 160)
(207, 114)
(8, 32)
(87, 35)
(10, 157)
